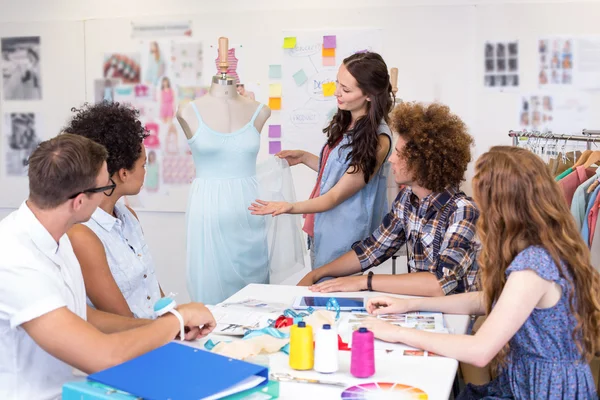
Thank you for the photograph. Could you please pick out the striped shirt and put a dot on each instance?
(449, 253)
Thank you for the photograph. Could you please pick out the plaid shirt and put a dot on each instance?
(455, 267)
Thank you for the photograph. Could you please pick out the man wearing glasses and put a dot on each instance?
(46, 328)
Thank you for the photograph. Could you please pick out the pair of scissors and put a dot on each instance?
(285, 377)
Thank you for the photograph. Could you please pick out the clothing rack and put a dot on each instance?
(589, 136)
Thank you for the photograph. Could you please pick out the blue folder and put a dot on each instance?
(178, 372)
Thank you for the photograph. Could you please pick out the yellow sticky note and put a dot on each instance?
(275, 103)
(328, 52)
(275, 90)
(289, 42)
(328, 89)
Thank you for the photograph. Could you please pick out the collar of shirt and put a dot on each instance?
(433, 200)
(105, 220)
(40, 236)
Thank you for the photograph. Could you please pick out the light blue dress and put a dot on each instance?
(226, 245)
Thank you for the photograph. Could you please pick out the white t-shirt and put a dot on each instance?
(37, 276)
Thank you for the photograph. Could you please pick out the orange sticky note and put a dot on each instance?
(328, 52)
(275, 103)
(329, 61)
(328, 89)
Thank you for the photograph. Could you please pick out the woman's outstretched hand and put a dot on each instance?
(273, 208)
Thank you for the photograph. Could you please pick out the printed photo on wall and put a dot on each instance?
(125, 67)
(555, 61)
(564, 112)
(154, 61)
(243, 91)
(187, 62)
(21, 68)
(104, 89)
(21, 138)
(501, 65)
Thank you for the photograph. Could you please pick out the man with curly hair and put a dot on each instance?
(430, 215)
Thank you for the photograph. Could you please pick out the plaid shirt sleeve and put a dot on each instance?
(385, 241)
(459, 249)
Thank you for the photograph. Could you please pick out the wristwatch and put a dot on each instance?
(369, 281)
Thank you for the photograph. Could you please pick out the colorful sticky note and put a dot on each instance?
(274, 131)
(289, 42)
(274, 147)
(328, 89)
(275, 103)
(329, 61)
(329, 42)
(328, 52)
(300, 77)
(275, 90)
(274, 71)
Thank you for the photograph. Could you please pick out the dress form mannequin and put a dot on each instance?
(227, 247)
(222, 109)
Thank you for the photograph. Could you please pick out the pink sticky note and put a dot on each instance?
(329, 42)
(274, 131)
(274, 147)
(329, 61)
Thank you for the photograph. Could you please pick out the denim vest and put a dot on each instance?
(357, 217)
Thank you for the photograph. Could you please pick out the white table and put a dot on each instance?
(434, 375)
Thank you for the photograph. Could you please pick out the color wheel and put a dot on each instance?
(383, 391)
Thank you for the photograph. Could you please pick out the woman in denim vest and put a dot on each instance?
(349, 198)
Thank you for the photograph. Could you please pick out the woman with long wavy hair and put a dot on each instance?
(539, 289)
(348, 201)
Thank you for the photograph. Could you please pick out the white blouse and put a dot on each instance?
(128, 257)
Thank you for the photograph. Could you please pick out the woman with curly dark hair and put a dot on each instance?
(431, 215)
(115, 261)
(349, 197)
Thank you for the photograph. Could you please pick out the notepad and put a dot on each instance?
(178, 371)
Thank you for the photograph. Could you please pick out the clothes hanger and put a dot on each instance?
(593, 186)
(583, 158)
(594, 158)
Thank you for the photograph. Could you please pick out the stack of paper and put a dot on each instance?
(426, 321)
(250, 314)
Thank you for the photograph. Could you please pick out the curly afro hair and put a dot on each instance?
(113, 125)
(438, 146)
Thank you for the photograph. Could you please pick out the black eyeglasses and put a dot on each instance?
(108, 190)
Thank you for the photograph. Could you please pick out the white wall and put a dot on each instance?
(437, 46)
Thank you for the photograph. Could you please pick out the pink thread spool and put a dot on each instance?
(362, 361)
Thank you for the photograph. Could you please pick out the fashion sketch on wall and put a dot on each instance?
(21, 68)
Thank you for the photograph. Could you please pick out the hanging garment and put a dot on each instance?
(227, 247)
(585, 228)
(284, 234)
(570, 182)
(593, 219)
(595, 249)
(580, 201)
